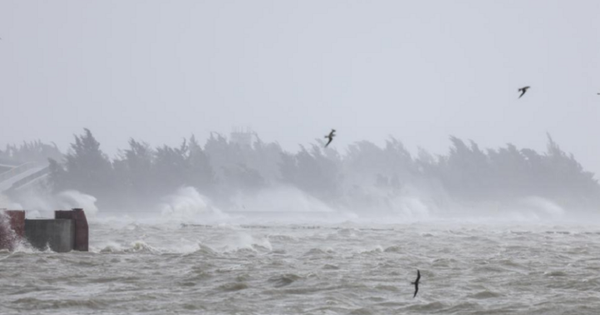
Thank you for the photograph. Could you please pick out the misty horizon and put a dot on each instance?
(235, 173)
(417, 71)
(339, 143)
(300, 157)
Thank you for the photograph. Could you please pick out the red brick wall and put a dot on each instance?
(81, 227)
(12, 228)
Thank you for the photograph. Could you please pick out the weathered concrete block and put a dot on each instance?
(80, 225)
(58, 234)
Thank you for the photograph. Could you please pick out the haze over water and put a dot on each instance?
(190, 259)
(186, 219)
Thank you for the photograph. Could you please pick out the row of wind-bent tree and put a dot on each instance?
(34, 151)
(365, 176)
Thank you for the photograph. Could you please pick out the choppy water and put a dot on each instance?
(346, 268)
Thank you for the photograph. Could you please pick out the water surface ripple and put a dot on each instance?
(140, 268)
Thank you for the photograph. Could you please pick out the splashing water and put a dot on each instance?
(316, 269)
(280, 199)
(544, 207)
(74, 199)
(37, 203)
(188, 205)
(8, 237)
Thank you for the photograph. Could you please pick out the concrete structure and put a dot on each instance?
(81, 229)
(242, 137)
(67, 231)
(55, 234)
(22, 175)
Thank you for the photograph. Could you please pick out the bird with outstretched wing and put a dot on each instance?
(523, 90)
(330, 137)
(416, 283)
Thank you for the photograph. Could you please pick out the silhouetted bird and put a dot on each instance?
(523, 90)
(330, 137)
(416, 283)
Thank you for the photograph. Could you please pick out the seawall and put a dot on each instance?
(66, 232)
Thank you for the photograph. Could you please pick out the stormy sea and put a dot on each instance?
(311, 263)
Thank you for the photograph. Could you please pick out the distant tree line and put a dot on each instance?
(34, 151)
(366, 175)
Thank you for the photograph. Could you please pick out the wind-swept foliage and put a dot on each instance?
(34, 151)
(86, 168)
(366, 175)
(313, 172)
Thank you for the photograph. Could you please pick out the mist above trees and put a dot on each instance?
(365, 176)
(35, 151)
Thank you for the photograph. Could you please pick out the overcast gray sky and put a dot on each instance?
(292, 70)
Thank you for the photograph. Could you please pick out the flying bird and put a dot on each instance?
(416, 283)
(330, 137)
(523, 90)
